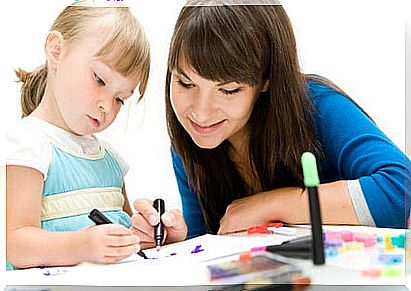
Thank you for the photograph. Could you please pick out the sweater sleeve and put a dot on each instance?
(190, 204)
(359, 150)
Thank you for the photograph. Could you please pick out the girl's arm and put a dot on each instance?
(127, 207)
(28, 245)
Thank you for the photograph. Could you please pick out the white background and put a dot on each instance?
(360, 45)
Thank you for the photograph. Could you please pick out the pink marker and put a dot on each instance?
(332, 236)
(347, 235)
(258, 249)
(368, 240)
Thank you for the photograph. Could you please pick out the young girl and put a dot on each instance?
(240, 113)
(58, 170)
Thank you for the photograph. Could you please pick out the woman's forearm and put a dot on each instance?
(335, 203)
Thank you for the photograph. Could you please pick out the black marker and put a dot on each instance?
(99, 218)
(311, 181)
(158, 204)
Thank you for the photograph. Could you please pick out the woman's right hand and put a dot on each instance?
(143, 222)
(108, 243)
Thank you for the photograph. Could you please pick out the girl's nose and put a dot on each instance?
(106, 105)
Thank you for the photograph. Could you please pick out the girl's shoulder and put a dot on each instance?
(27, 132)
(115, 153)
(27, 145)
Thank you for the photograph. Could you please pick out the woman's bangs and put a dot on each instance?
(213, 51)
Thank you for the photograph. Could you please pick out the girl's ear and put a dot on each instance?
(54, 45)
(266, 85)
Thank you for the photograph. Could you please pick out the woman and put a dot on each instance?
(240, 113)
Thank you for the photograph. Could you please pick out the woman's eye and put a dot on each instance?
(185, 85)
(99, 81)
(119, 100)
(230, 92)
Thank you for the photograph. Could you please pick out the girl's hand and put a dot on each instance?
(143, 222)
(108, 243)
(261, 208)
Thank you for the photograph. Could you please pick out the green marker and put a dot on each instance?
(311, 181)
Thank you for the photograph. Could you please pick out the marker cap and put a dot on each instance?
(310, 173)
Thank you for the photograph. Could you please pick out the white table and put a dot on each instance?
(195, 276)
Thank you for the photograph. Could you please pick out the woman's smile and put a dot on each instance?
(207, 129)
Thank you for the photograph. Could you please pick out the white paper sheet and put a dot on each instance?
(185, 258)
(207, 247)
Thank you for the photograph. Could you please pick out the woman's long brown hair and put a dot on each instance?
(248, 44)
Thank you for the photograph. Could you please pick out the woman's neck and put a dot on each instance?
(239, 145)
(239, 155)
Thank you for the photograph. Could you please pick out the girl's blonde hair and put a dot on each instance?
(125, 48)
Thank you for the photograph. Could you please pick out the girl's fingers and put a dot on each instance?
(145, 238)
(145, 207)
(114, 259)
(122, 251)
(168, 218)
(141, 225)
(174, 219)
(115, 229)
(175, 225)
(122, 240)
(147, 245)
(146, 234)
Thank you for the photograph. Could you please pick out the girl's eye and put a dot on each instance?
(185, 85)
(119, 100)
(99, 81)
(230, 92)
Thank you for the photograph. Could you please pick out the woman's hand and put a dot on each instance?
(175, 228)
(108, 243)
(260, 208)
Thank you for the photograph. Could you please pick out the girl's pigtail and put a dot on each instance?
(32, 90)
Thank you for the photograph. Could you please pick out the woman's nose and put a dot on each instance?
(203, 107)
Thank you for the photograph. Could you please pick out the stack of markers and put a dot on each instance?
(374, 255)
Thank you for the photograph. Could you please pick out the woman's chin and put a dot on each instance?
(206, 144)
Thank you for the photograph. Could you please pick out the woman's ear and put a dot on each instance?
(54, 45)
(265, 86)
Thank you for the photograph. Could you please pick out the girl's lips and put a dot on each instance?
(206, 129)
(94, 122)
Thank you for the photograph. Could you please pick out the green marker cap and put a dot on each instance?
(309, 170)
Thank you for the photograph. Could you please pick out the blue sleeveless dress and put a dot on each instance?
(76, 184)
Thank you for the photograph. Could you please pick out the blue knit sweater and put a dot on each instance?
(355, 149)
